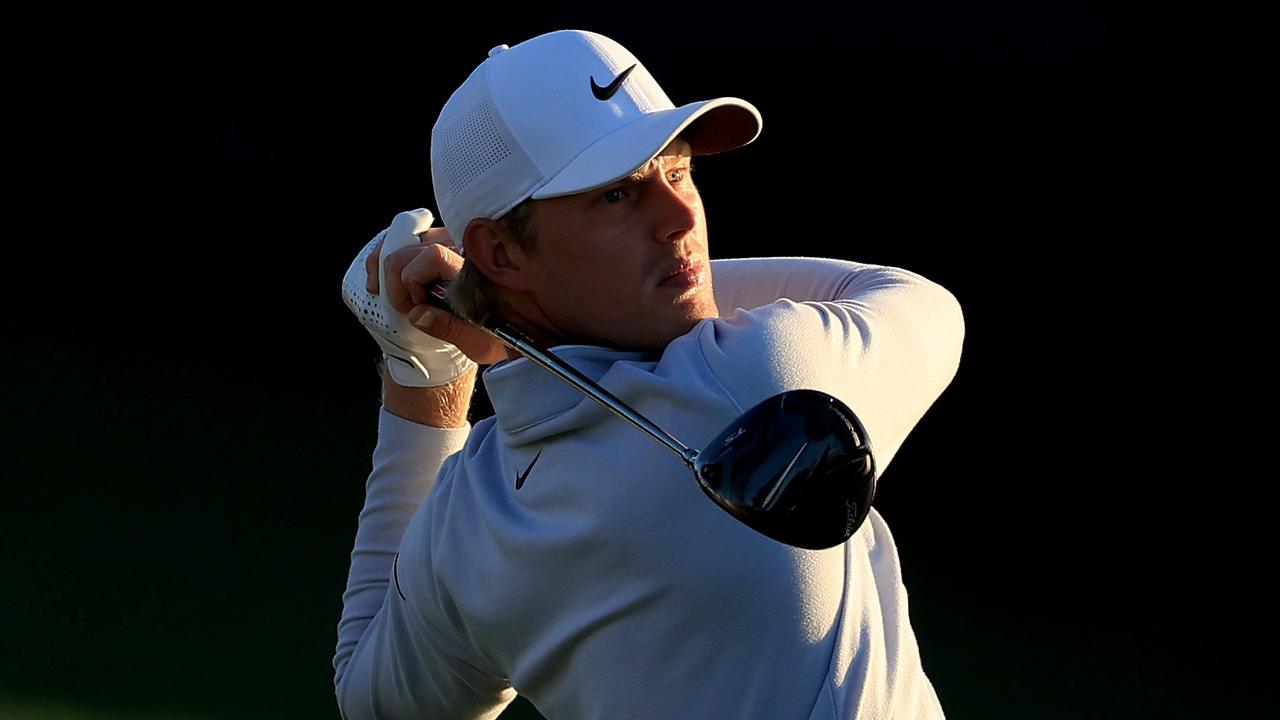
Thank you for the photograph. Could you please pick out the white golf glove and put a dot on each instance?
(414, 358)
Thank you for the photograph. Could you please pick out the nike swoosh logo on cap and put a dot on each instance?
(520, 477)
(606, 92)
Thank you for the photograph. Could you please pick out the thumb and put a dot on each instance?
(474, 342)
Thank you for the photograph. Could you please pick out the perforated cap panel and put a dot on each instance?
(470, 147)
(477, 167)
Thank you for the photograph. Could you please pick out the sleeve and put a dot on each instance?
(883, 340)
(387, 658)
(752, 282)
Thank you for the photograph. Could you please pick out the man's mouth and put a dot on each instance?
(685, 274)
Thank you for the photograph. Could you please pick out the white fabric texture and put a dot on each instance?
(609, 586)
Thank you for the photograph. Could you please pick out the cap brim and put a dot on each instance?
(710, 126)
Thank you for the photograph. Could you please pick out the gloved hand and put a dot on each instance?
(414, 358)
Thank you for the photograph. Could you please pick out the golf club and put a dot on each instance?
(797, 467)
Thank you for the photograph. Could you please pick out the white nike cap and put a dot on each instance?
(559, 114)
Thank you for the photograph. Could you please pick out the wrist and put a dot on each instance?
(443, 406)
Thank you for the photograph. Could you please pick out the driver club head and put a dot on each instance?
(797, 467)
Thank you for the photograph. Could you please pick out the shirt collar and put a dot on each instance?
(525, 395)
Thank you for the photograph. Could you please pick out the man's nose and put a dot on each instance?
(677, 209)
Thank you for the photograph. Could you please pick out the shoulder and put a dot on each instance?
(752, 354)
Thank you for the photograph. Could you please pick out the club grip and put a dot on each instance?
(436, 297)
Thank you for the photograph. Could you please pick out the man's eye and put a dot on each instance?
(678, 174)
(614, 195)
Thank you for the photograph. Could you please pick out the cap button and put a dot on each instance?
(499, 49)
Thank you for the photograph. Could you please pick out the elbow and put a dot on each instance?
(951, 330)
(939, 318)
(946, 331)
(939, 331)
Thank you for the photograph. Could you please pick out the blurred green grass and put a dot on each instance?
(52, 710)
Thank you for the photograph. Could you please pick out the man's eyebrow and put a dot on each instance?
(653, 165)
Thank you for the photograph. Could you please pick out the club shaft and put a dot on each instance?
(515, 340)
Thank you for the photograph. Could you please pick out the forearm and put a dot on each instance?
(418, 429)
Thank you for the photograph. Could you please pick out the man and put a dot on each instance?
(553, 549)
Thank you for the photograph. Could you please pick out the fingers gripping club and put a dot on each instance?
(414, 358)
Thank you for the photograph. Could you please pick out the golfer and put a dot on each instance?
(553, 550)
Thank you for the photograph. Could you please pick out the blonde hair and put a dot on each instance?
(471, 294)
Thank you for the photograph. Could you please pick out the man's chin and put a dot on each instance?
(659, 326)
(701, 308)
(690, 320)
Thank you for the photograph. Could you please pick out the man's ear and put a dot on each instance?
(494, 250)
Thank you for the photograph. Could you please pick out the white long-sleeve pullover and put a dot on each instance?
(609, 586)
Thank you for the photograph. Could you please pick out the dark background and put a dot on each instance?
(1083, 518)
